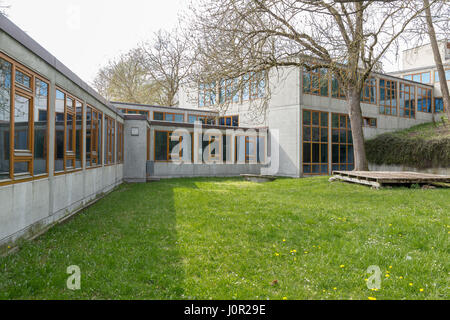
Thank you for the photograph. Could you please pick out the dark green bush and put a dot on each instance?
(395, 149)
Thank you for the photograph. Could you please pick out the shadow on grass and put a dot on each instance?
(125, 246)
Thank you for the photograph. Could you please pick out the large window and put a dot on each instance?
(168, 116)
(388, 97)
(68, 132)
(424, 77)
(203, 119)
(164, 146)
(254, 85)
(93, 137)
(207, 94)
(407, 101)
(315, 142)
(315, 81)
(424, 99)
(369, 93)
(447, 75)
(23, 111)
(110, 135)
(120, 142)
(337, 90)
(342, 143)
(229, 121)
(439, 105)
(229, 91)
(23, 123)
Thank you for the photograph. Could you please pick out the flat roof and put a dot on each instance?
(163, 107)
(24, 39)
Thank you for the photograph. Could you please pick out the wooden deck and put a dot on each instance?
(379, 178)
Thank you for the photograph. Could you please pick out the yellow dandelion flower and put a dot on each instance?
(366, 280)
(400, 277)
(372, 298)
(323, 290)
(284, 240)
(284, 298)
(410, 284)
(390, 224)
(390, 267)
(421, 290)
(294, 251)
(277, 254)
(387, 275)
(306, 252)
(334, 288)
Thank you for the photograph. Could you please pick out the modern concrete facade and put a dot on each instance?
(289, 101)
(29, 205)
(418, 64)
(78, 146)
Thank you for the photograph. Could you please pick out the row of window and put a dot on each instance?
(316, 141)
(168, 147)
(425, 77)
(251, 86)
(316, 82)
(24, 128)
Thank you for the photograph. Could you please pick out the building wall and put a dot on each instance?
(28, 208)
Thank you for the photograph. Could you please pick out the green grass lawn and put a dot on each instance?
(230, 239)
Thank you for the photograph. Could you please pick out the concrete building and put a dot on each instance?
(62, 146)
(418, 65)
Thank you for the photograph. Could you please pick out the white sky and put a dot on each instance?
(85, 34)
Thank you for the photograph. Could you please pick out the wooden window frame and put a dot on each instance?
(311, 143)
(393, 88)
(20, 156)
(71, 155)
(436, 73)
(218, 154)
(253, 81)
(247, 156)
(224, 89)
(419, 96)
(96, 134)
(418, 74)
(120, 143)
(110, 136)
(316, 73)
(368, 84)
(231, 119)
(200, 118)
(368, 125)
(166, 113)
(348, 165)
(341, 95)
(406, 90)
(168, 138)
(207, 94)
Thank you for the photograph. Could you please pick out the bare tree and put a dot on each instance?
(3, 8)
(348, 38)
(435, 47)
(166, 62)
(124, 79)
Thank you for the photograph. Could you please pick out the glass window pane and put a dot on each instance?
(5, 117)
(21, 122)
(79, 134)
(69, 132)
(161, 145)
(158, 116)
(22, 79)
(307, 117)
(40, 127)
(307, 153)
(21, 167)
(179, 118)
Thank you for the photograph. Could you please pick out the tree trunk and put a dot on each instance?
(437, 58)
(356, 121)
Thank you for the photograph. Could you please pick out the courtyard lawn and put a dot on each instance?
(230, 239)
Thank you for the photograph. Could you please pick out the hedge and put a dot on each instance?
(418, 152)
